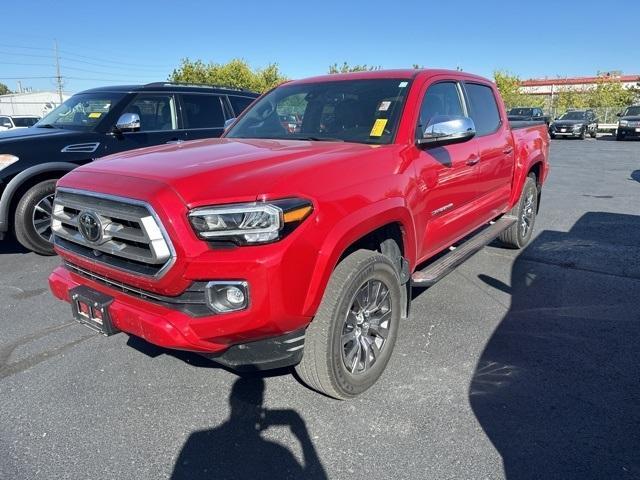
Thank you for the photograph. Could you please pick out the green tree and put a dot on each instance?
(236, 73)
(509, 87)
(346, 68)
(4, 89)
(609, 92)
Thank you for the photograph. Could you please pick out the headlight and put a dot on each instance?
(6, 160)
(577, 126)
(249, 223)
(623, 123)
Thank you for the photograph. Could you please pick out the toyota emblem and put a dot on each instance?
(90, 226)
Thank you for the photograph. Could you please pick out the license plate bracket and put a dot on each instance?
(91, 308)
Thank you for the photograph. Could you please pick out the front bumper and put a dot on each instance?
(240, 340)
(629, 131)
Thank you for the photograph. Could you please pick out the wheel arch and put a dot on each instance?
(25, 180)
(363, 229)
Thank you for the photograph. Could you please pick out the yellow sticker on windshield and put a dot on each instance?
(95, 114)
(378, 127)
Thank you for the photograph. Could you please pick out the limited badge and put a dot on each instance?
(378, 127)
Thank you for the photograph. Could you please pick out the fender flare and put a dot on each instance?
(17, 181)
(349, 230)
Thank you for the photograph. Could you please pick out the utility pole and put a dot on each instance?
(58, 76)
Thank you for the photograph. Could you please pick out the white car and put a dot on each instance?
(9, 122)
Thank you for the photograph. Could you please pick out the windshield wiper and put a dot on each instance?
(318, 139)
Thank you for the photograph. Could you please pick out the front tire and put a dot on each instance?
(619, 136)
(32, 220)
(349, 342)
(518, 235)
(594, 132)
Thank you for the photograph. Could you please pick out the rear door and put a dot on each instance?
(494, 141)
(203, 115)
(158, 123)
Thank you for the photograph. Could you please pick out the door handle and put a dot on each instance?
(507, 150)
(473, 159)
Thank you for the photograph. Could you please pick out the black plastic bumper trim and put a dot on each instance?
(268, 354)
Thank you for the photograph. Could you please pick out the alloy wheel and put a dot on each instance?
(366, 327)
(41, 217)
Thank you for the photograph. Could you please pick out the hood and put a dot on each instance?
(32, 133)
(232, 170)
(516, 118)
(631, 118)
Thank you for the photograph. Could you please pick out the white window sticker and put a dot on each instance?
(384, 106)
(403, 84)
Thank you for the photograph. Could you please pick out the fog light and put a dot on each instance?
(227, 296)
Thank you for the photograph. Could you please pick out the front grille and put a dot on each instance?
(122, 233)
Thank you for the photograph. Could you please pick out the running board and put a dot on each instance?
(445, 264)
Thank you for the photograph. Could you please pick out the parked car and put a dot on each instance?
(90, 125)
(628, 123)
(8, 122)
(531, 114)
(267, 248)
(575, 123)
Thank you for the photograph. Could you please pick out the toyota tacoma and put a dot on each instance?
(274, 247)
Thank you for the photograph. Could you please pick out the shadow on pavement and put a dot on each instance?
(635, 175)
(236, 449)
(557, 388)
(10, 245)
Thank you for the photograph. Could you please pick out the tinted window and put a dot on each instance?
(25, 121)
(157, 111)
(483, 108)
(441, 100)
(4, 120)
(239, 103)
(202, 111)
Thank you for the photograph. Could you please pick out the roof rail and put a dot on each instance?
(189, 84)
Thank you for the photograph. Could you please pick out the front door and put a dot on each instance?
(158, 123)
(446, 176)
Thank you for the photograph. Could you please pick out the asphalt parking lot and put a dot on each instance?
(521, 364)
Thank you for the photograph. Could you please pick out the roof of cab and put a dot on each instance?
(400, 74)
(173, 86)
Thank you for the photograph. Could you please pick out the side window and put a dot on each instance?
(483, 108)
(441, 100)
(202, 111)
(157, 111)
(4, 120)
(239, 103)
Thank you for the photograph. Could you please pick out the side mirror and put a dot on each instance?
(228, 123)
(7, 125)
(128, 122)
(446, 131)
(619, 114)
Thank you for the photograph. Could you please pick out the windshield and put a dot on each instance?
(631, 111)
(521, 112)
(25, 121)
(573, 116)
(82, 111)
(360, 111)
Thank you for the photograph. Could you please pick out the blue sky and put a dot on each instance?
(104, 43)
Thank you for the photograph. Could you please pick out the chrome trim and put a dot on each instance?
(167, 239)
(81, 148)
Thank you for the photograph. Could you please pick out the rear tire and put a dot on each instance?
(32, 219)
(354, 310)
(526, 210)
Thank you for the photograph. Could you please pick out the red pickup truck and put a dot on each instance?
(271, 247)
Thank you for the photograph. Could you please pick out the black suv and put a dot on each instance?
(92, 124)
(629, 123)
(575, 123)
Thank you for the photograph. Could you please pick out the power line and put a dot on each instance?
(67, 52)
